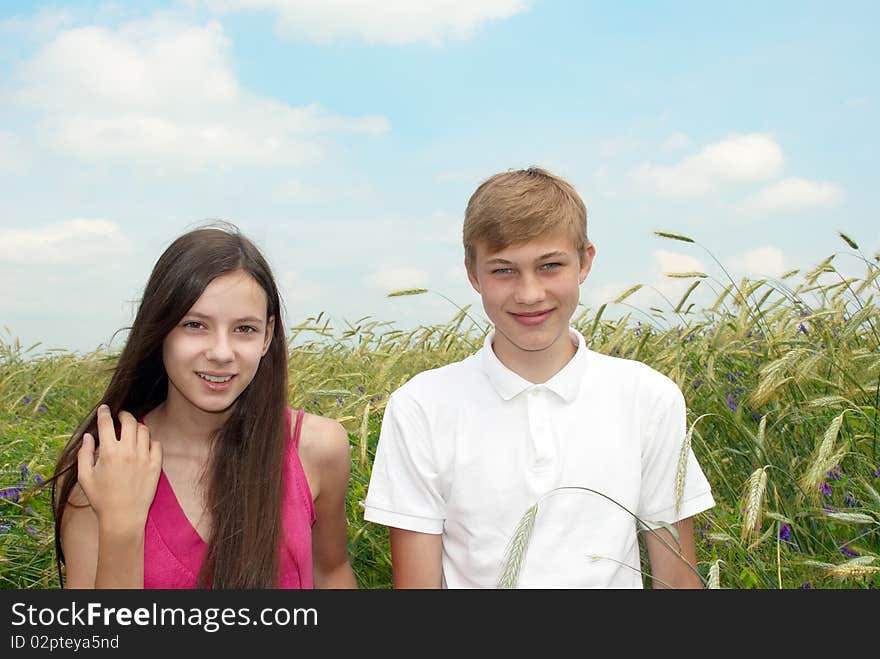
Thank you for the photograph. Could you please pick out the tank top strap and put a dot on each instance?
(300, 414)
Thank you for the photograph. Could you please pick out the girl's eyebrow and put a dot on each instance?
(245, 319)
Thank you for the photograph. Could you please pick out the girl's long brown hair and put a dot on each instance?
(244, 480)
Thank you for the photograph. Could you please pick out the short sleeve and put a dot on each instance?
(404, 484)
(666, 495)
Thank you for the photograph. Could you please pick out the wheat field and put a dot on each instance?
(780, 377)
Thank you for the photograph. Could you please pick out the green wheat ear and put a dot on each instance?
(516, 549)
(408, 291)
(674, 236)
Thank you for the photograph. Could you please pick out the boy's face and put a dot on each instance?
(530, 292)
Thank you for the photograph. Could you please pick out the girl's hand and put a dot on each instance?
(120, 481)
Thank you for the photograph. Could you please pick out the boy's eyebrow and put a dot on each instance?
(549, 255)
(246, 319)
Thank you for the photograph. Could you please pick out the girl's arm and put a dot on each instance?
(326, 455)
(102, 532)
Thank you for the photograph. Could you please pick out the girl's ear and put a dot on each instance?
(270, 330)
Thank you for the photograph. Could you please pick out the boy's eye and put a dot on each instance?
(551, 266)
(502, 271)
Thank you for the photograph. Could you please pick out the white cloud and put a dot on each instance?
(677, 262)
(66, 269)
(764, 261)
(71, 242)
(379, 21)
(796, 193)
(165, 92)
(398, 278)
(737, 158)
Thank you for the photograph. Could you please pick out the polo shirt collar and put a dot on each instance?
(565, 384)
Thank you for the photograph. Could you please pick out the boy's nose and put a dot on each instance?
(529, 291)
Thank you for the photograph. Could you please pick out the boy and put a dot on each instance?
(465, 450)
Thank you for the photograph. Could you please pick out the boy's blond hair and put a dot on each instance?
(516, 206)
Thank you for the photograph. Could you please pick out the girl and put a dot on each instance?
(193, 472)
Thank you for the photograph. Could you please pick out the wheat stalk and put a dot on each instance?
(515, 554)
(715, 575)
(757, 485)
(681, 470)
(364, 434)
(823, 460)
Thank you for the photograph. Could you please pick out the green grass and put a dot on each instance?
(780, 377)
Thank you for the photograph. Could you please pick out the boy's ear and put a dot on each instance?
(472, 278)
(270, 331)
(586, 262)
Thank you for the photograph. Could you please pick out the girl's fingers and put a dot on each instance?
(106, 431)
(143, 440)
(128, 431)
(85, 458)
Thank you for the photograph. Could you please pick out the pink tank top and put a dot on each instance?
(174, 551)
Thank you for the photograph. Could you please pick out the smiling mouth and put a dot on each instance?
(532, 314)
(216, 379)
(532, 318)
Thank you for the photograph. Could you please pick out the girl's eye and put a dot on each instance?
(192, 324)
(247, 329)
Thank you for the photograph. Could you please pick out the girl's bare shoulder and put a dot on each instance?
(323, 440)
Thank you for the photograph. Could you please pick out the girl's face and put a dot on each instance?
(213, 352)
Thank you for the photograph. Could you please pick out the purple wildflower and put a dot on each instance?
(806, 586)
(5, 528)
(825, 489)
(25, 400)
(850, 501)
(801, 328)
(756, 416)
(360, 388)
(31, 530)
(836, 473)
(846, 551)
(25, 471)
(877, 473)
(785, 533)
(339, 402)
(697, 383)
(731, 401)
(829, 509)
(41, 409)
(38, 479)
(11, 493)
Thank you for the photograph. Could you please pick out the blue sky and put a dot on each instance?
(345, 138)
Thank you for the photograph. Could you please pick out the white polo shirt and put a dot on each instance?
(467, 448)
